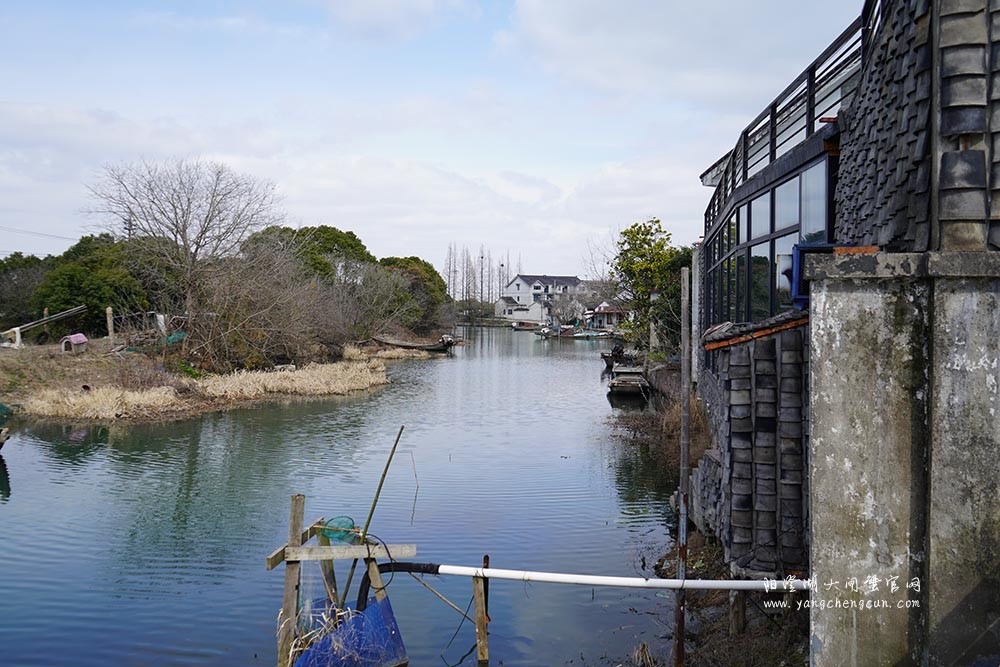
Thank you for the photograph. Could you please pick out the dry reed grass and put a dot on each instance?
(400, 353)
(352, 353)
(102, 403)
(313, 380)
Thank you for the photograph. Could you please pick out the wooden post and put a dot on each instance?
(111, 325)
(326, 567)
(375, 577)
(45, 314)
(482, 643)
(288, 619)
(737, 613)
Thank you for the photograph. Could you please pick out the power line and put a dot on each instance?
(34, 233)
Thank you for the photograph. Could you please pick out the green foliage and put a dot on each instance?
(90, 273)
(185, 368)
(20, 274)
(319, 247)
(426, 287)
(646, 264)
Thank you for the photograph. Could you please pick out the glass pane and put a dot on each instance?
(741, 287)
(814, 204)
(786, 204)
(732, 290)
(760, 281)
(724, 292)
(734, 230)
(744, 224)
(760, 216)
(783, 272)
(718, 295)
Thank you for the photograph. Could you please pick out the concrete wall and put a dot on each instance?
(905, 450)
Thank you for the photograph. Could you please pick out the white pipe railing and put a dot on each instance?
(771, 585)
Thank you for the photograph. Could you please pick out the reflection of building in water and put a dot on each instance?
(855, 432)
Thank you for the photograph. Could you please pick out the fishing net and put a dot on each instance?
(332, 637)
(340, 528)
(348, 638)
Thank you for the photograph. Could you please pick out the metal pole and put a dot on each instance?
(683, 491)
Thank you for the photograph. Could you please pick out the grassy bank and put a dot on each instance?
(47, 383)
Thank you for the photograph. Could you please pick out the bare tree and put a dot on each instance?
(182, 217)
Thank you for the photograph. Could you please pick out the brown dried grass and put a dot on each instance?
(352, 353)
(401, 353)
(105, 403)
(313, 380)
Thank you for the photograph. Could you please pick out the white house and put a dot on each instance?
(527, 297)
(606, 316)
(508, 308)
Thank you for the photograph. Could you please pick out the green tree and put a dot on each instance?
(20, 275)
(646, 265)
(426, 288)
(323, 249)
(93, 273)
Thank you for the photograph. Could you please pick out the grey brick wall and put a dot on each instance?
(883, 190)
(751, 491)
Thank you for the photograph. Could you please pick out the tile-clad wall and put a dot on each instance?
(969, 43)
(884, 178)
(751, 491)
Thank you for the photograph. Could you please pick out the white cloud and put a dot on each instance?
(238, 24)
(391, 18)
(688, 51)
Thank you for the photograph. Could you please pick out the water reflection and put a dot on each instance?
(4, 481)
(167, 524)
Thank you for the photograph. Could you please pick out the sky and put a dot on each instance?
(535, 128)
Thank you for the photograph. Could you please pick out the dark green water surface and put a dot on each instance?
(145, 545)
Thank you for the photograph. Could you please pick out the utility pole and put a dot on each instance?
(481, 258)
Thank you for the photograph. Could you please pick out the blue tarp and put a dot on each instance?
(365, 639)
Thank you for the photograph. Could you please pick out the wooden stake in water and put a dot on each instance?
(371, 513)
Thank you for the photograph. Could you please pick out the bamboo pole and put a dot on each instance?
(371, 513)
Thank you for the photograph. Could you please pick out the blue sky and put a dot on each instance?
(534, 127)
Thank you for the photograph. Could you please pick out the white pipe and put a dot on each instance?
(773, 585)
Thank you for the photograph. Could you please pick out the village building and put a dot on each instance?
(605, 316)
(847, 305)
(532, 298)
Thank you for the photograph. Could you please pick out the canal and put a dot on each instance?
(145, 544)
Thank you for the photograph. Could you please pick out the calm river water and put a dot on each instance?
(145, 545)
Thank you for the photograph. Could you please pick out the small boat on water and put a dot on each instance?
(618, 355)
(526, 326)
(629, 379)
(572, 332)
(443, 344)
(564, 331)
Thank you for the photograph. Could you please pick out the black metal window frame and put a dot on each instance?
(728, 287)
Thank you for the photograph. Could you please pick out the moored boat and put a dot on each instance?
(443, 344)
(628, 379)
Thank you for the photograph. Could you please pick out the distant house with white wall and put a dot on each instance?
(527, 297)
(507, 308)
(605, 316)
